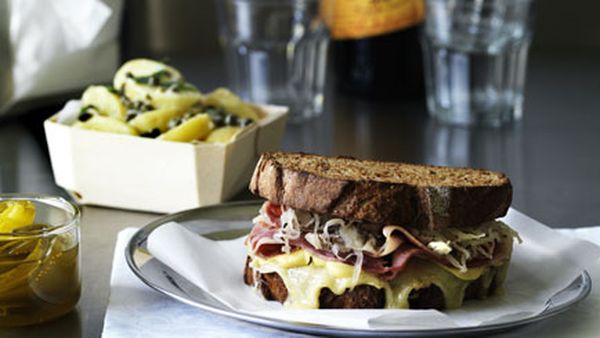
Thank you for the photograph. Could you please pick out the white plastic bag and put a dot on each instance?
(48, 47)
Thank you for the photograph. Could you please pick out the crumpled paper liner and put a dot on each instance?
(545, 263)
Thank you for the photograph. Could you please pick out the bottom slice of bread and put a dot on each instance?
(272, 287)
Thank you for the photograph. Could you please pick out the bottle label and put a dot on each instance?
(355, 19)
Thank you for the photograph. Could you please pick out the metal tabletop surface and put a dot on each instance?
(551, 157)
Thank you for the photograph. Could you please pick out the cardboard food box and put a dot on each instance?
(146, 174)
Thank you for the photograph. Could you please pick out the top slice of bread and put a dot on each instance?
(383, 193)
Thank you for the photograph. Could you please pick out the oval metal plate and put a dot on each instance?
(232, 220)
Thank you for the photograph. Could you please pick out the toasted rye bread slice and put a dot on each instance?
(423, 196)
(272, 287)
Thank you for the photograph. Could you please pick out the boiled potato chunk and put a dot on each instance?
(16, 214)
(156, 119)
(158, 97)
(107, 124)
(224, 98)
(141, 67)
(106, 102)
(196, 128)
(223, 134)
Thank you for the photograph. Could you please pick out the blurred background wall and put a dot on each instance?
(160, 28)
(567, 25)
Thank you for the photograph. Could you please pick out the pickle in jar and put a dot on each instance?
(16, 214)
(39, 273)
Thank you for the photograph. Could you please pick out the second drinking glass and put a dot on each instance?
(275, 52)
(475, 59)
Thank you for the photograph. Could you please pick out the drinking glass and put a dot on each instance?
(275, 52)
(39, 258)
(475, 54)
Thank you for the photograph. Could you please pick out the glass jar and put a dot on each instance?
(39, 258)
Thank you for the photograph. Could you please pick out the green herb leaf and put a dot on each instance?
(164, 79)
(113, 90)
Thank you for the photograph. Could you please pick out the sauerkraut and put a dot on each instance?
(345, 240)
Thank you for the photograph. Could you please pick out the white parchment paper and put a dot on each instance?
(542, 265)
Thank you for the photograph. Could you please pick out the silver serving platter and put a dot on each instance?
(232, 220)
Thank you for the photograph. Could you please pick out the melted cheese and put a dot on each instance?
(304, 275)
(470, 275)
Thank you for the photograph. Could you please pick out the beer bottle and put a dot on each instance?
(376, 47)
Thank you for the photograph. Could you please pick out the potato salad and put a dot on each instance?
(151, 99)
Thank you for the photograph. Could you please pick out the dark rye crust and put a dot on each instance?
(382, 192)
(271, 286)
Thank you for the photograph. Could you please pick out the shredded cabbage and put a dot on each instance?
(333, 234)
(338, 236)
(469, 243)
(344, 239)
(357, 266)
(290, 229)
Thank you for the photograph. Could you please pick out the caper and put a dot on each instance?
(131, 114)
(174, 122)
(189, 115)
(231, 120)
(218, 120)
(84, 116)
(245, 122)
(151, 134)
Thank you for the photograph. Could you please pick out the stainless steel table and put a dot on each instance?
(551, 157)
